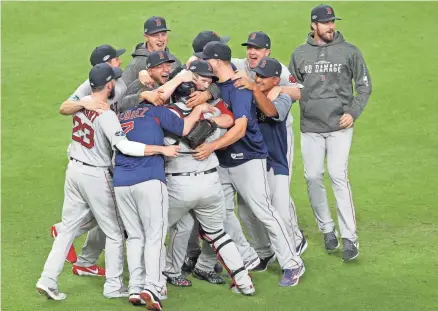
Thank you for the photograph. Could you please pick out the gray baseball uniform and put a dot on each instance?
(88, 191)
(278, 181)
(201, 192)
(95, 242)
(253, 226)
(327, 73)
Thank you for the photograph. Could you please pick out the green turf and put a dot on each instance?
(393, 166)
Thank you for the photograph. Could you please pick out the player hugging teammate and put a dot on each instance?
(169, 149)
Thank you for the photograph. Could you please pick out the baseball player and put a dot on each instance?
(272, 116)
(155, 34)
(258, 46)
(95, 242)
(326, 65)
(242, 156)
(88, 187)
(142, 198)
(181, 231)
(159, 66)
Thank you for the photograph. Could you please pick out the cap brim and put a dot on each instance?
(253, 44)
(117, 72)
(162, 62)
(120, 52)
(157, 31)
(201, 55)
(225, 39)
(205, 74)
(258, 71)
(328, 19)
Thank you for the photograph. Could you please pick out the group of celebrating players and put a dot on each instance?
(163, 147)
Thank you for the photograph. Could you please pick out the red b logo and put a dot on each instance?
(161, 55)
(263, 64)
(158, 22)
(329, 11)
(253, 35)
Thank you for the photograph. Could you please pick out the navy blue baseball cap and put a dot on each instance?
(258, 39)
(157, 58)
(215, 50)
(323, 13)
(103, 73)
(155, 24)
(205, 37)
(104, 53)
(202, 68)
(268, 67)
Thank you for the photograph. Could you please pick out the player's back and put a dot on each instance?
(140, 125)
(90, 144)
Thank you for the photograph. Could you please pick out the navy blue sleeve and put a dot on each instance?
(241, 101)
(168, 120)
(234, 67)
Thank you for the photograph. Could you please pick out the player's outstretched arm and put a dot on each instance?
(70, 107)
(136, 149)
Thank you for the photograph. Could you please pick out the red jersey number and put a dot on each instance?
(87, 137)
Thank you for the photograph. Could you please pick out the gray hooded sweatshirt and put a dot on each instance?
(327, 73)
(138, 63)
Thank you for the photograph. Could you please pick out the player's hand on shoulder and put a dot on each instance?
(239, 74)
(244, 83)
(155, 97)
(273, 93)
(99, 106)
(198, 98)
(293, 92)
(346, 121)
(145, 78)
(171, 151)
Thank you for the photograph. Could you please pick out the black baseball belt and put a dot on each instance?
(73, 159)
(193, 173)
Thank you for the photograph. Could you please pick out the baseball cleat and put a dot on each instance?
(251, 264)
(179, 281)
(152, 301)
(264, 263)
(243, 290)
(71, 256)
(91, 271)
(136, 300)
(350, 250)
(121, 293)
(50, 293)
(209, 276)
(291, 277)
(302, 246)
(331, 241)
(189, 264)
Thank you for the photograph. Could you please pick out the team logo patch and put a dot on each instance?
(252, 36)
(106, 57)
(314, 16)
(263, 64)
(292, 79)
(329, 11)
(158, 22)
(215, 34)
(161, 55)
(120, 133)
(192, 67)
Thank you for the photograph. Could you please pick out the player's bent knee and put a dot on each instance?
(314, 175)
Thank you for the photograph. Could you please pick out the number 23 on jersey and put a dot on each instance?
(82, 133)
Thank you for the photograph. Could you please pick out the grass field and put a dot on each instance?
(393, 164)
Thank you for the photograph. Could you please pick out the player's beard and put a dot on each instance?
(326, 36)
(112, 93)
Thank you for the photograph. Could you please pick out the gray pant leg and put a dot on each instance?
(313, 149)
(194, 246)
(135, 243)
(338, 148)
(179, 236)
(255, 229)
(93, 247)
(257, 195)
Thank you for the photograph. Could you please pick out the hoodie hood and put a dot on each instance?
(338, 38)
(141, 50)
